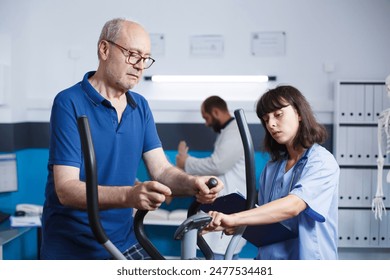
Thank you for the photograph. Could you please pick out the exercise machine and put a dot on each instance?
(188, 231)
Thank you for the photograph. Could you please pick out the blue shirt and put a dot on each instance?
(314, 178)
(118, 148)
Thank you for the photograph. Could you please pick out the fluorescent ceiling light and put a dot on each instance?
(210, 78)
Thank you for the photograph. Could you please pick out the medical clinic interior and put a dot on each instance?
(336, 52)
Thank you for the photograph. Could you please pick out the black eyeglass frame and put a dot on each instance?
(131, 54)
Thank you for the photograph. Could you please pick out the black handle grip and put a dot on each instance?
(192, 210)
(212, 183)
(194, 207)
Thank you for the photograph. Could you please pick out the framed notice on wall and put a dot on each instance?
(206, 46)
(8, 176)
(158, 44)
(268, 44)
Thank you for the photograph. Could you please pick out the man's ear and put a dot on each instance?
(215, 112)
(103, 49)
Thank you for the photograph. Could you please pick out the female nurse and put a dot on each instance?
(299, 185)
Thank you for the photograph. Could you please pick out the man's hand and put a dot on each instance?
(204, 194)
(182, 155)
(149, 195)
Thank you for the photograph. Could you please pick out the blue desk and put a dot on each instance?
(8, 233)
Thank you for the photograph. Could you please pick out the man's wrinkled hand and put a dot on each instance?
(204, 195)
(149, 195)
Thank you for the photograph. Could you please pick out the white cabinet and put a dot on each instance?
(357, 108)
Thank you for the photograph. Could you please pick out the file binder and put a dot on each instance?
(259, 235)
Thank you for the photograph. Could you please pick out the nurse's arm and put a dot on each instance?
(269, 213)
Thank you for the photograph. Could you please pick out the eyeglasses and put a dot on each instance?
(134, 58)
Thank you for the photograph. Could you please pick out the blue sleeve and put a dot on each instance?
(65, 147)
(151, 138)
(318, 185)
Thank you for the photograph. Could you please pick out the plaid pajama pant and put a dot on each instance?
(136, 252)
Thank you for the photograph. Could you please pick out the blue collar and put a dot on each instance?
(96, 97)
(297, 172)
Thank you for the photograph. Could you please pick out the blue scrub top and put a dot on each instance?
(118, 148)
(315, 179)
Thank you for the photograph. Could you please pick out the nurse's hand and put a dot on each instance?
(221, 222)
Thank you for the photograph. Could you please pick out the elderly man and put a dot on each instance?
(123, 132)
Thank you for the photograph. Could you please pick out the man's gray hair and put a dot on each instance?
(110, 31)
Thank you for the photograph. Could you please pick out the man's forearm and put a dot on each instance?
(73, 194)
(180, 183)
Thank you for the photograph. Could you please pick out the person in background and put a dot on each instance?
(226, 161)
(123, 132)
(298, 186)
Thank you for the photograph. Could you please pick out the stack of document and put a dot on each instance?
(26, 221)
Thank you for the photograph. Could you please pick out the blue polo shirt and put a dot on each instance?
(118, 148)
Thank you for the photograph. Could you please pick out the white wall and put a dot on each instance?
(47, 45)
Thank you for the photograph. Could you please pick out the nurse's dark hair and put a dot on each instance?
(212, 102)
(309, 131)
(110, 31)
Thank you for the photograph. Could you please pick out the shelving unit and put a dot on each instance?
(358, 105)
